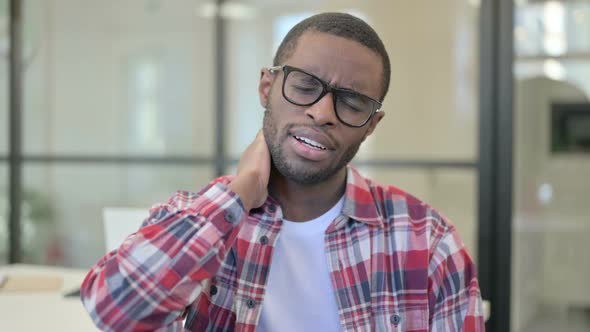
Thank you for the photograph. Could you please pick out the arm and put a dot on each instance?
(157, 272)
(455, 298)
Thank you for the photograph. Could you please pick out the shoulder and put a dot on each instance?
(182, 199)
(402, 211)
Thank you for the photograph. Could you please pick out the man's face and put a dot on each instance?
(308, 144)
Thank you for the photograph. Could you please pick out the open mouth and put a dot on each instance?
(310, 143)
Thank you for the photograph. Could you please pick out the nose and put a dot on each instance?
(323, 112)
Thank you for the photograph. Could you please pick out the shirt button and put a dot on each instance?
(250, 303)
(272, 209)
(264, 240)
(229, 217)
(395, 319)
(213, 290)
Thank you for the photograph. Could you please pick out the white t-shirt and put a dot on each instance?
(299, 294)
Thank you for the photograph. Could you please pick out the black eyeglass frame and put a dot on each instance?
(327, 88)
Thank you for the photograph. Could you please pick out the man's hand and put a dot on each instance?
(251, 182)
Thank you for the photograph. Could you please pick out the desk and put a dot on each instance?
(44, 311)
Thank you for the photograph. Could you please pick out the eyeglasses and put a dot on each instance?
(304, 89)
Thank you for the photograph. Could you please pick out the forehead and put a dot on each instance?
(340, 61)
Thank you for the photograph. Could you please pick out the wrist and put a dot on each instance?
(243, 189)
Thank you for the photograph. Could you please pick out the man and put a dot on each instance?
(297, 240)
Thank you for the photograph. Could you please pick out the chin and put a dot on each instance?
(306, 175)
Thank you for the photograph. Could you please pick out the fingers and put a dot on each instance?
(260, 137)
(253, 173)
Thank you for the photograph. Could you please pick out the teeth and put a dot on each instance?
(311, 143)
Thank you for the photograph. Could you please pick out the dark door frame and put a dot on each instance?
(15, 111)
(495, 158)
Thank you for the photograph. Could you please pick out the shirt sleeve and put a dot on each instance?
(147, 283)
(454, 294)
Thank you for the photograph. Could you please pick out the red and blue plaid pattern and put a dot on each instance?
(396, 265)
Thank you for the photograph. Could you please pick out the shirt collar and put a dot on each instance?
(359, 201)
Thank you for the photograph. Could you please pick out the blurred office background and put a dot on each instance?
(123, 102)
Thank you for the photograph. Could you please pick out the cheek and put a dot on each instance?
(276, 95)
(352, 137)
(285, 114)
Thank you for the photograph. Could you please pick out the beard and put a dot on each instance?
(298, 173)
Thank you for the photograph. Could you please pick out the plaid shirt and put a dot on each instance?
(396, 265)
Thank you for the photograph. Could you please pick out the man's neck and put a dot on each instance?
(306, 202)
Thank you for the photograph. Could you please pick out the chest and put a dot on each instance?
(379, 277)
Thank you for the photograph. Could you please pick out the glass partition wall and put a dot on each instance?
(117, 111)
(551, 223)
(121, 110)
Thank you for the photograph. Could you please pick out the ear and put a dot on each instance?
(264, 86)
(373, 123)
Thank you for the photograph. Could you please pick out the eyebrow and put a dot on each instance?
(354, 86)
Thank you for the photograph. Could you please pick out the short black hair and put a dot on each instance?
(341, 25)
